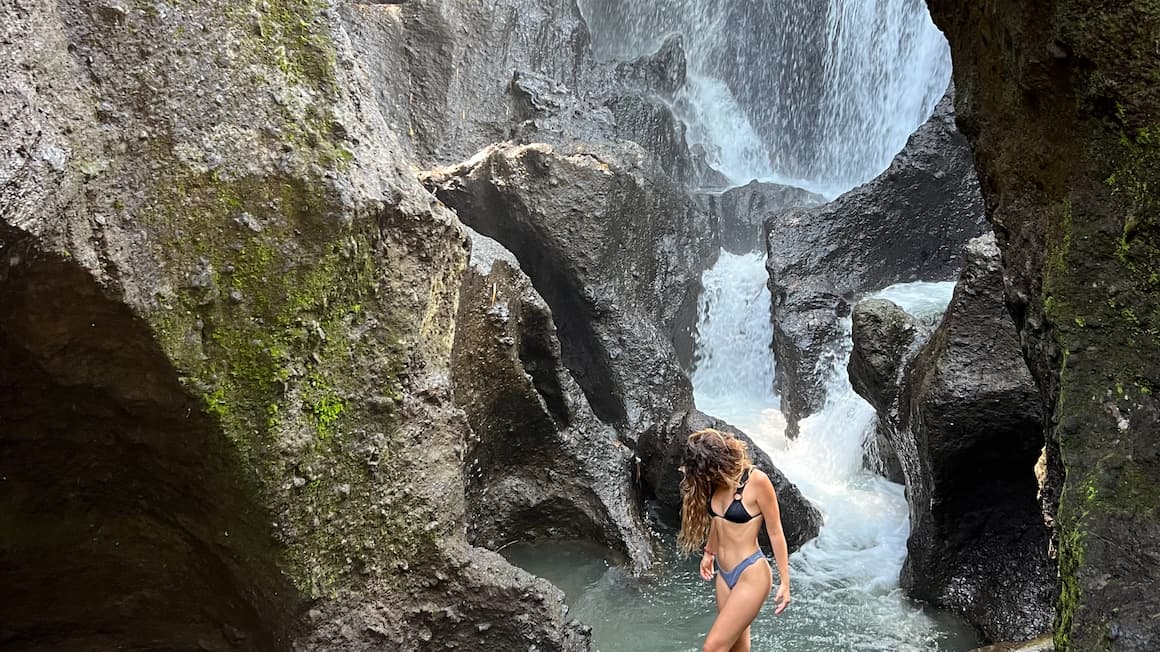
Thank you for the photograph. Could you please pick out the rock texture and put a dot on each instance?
(1061, 105)
(885, 337)
(535, 81)
(662, 458)
(226, 316)
(541, 464)
(614, 250)
(740, 212)
(908, 224)
(967, 427)
(1042, 644)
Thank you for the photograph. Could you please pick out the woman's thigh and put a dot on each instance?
(737, 608)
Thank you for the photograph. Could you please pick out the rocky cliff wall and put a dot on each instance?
(226, 312)
(1060, 102)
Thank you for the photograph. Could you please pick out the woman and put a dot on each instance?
(724, 499)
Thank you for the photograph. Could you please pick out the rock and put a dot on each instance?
(617, 253)
(908, 224)
(650, 123)
(662, 72)
(968, 431)
(1042, 644)
(1065, 141)
(542, 464)
(800, 520)
(805, 344)
(740, 211)
(185, 470)
(485, 582)
(537, 82)
(883, 334)
(884, 338)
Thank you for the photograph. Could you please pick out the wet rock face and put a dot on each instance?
(615, 251)
(740, 212)
(229, 304)
(540, 464)
(662, 458)
(885, 338)
(908, 224)
(883, 334)
(967, 427)
(1062, 118)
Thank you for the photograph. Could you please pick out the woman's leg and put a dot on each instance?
(742, 644)
(722, 591)
(737, 608)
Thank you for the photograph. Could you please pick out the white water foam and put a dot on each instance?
(734, 316)
(849, 573)
(820, 95)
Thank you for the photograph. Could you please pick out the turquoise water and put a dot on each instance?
(672, 610)
(846, 596)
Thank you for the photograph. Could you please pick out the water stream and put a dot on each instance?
(846, 594)
(818, 94)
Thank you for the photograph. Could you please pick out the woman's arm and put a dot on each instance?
(710, 552)
(767, 500)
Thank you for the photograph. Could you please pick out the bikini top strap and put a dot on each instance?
(744, 480)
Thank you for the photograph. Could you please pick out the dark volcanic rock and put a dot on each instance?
(968, 432)
(800, 520)
(541, 463)
(883, 334)
(740, 212)
(1063, 119)
(805, 342)
(908, 224)
(884, 337)
(617, 253)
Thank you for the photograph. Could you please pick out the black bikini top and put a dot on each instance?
(736, 512)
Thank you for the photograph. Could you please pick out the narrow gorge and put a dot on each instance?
(333, 325)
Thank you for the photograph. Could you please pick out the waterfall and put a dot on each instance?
(845, 582)
(848, 576)
(820, 95)
(735, 374)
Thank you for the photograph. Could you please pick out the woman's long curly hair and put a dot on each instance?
(712, 459)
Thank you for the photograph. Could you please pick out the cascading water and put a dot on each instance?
(845, 582)
(819, 95)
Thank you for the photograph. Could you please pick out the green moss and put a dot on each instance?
(272, 342)
(325, 407)
(216, 404)
(293, 35)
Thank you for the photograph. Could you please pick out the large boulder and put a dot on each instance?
(908, 224)
(617, 253)
(884, 340)
(1063, 120)
(740, 212)
(226, 315)
(883, 335)
(968, 430)
(661, 459)
(540, 462)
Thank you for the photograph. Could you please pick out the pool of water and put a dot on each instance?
(672, 610)
(845, 582)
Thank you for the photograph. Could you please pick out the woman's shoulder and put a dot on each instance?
(760, 478)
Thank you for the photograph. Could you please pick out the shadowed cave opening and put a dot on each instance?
(125, 521)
